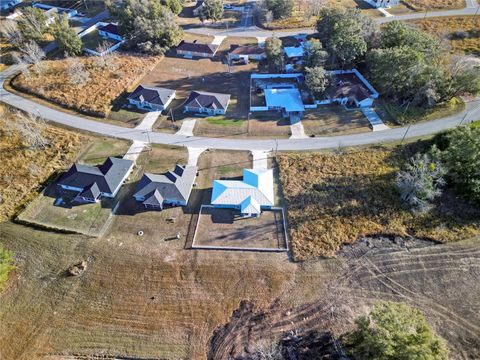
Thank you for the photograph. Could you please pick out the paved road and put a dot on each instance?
(472, 8)
(470, 114)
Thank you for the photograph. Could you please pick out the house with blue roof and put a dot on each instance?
(250, 196)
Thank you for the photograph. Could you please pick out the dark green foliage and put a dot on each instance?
(175, 6)
(212, 10)
(317, 81)
(280, 9)
(274, 51)
(148, 25)
(314, 54)
(344, 34)
(33, 24)
(461, 157)
(395, 331)
(66, 37)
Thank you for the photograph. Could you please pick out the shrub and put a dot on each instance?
(395, 331)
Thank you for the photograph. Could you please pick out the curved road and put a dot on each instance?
(471, 113)
(472, 8)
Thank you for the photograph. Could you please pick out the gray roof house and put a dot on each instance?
(151, 98)
(93, 182)
(190, 49)
(173, 188)
(207, 103)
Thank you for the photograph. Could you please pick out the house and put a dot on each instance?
(246, 53)
(172, 188)
(110, 31)
(7, 5)
(294, 53)
(51, 10)
(287, 100)
(191, 49)
(250, 196)
(197, 9)
(350, 87)
(383, 3)
(151, 98)
(208, 103)
(94, 182)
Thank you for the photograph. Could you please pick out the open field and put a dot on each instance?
(90, 219)
(23, 169)
(419, 5)
(226, 228)
(461, 33)
(335, 198)
(96, 96)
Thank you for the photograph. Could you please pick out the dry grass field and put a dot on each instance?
(421, 5)
(461, 33)
(335, 198)
(96, 96)
(23, 169)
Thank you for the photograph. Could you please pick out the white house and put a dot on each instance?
(250, 196)
(202, 102)
(151, 98)
(110, 31)
(246, 53)
(383, 3)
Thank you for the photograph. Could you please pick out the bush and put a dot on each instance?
(394, 331)
(6, 265)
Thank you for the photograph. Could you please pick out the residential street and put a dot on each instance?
(471, 113)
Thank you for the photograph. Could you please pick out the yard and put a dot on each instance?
(100, 91)
(91, 219)
(334, 198)
(187, 19)
(226, 228)
(93, 40)
(421, 5)
(461, 33)
(24, 169)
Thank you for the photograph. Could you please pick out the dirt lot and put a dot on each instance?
(24, 169)
(226, 228)
(461, 33)
(333, 198)
(98, 94)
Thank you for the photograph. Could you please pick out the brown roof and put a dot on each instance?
(197, 47)
(348, 85)
(246, 50)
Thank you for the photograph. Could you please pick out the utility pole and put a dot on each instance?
(406, 132)
(463, 119)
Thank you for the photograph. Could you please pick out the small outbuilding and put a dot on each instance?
(151, 98)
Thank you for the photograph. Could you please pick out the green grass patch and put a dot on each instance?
(475, 124)
(6, 265)
(220, 120)
(417, 114)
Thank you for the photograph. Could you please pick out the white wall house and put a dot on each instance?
(383, 3)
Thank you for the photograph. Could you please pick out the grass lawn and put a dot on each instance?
(23, 170)
(98, 94)
(226, 228)
(98, 151)
(6, 265)
(335, 198)
(334, 119)
(93, 40)
(461, 33)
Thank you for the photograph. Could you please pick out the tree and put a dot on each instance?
(317, 81)
(175, 6)
(212, 10)
(395, 331)
(107, 59)
(462, 159)
(280, 9)
(420, 182)
(33, 24)
(314, 55)
(148, 26)
(343, 33)
(31, 54)
(66, 37)
(31, 129)
(12, 33)
(76, 72)
(312, 8)
(274, 52)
